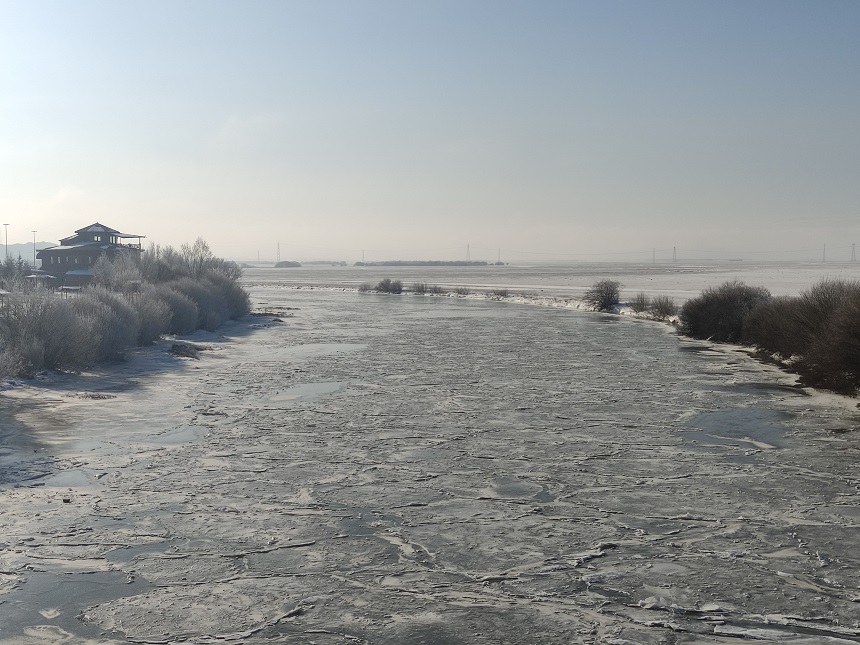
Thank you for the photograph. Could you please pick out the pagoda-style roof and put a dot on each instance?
(97, 232)
(101, 228)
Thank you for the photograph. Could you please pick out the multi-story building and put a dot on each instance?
(73, 259)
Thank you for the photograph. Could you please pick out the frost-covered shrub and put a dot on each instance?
(603, 295)
(10, 363)
(13, 273)
(165, 264)
(640, 302)
(462, 291)
(364, 287)
(662, 307)
(98, 319)
(183, 311)
(160, 264)
(233, 296)
(419, 288)
(154, 315)
(436, 290)
(112, 322)
(720, 312)
(41, 331)
(119, 273)
(198, 261)
(217, 298)
(212, 311)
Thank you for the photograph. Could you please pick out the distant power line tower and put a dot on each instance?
(674, 254)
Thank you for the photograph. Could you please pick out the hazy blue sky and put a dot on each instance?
(551, 130)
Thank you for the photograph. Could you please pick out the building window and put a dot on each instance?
(97, 238)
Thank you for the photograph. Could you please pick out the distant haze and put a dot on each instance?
(551, 130)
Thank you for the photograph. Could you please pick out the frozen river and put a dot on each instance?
(354, 468)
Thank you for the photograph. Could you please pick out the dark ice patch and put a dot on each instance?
(733, 426)
(60, 599)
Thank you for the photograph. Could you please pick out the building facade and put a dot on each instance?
(73, 259)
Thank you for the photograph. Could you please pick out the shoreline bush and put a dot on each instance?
(604, 295)
(833, 357)
(640, 303)
(815, 334)
(772, 326)
(41, 331)
(182, 312)
(662, 307)
(154, 316)
(720, 313)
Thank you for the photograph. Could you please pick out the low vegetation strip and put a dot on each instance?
(129, 303)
